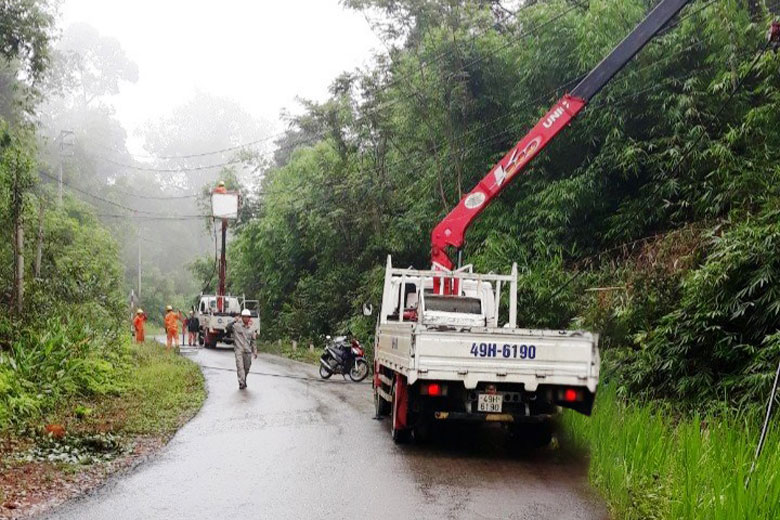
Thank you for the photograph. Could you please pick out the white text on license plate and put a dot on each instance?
(490, 403)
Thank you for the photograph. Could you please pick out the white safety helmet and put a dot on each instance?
(246, 312)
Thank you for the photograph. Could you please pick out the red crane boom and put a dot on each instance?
(450, 232)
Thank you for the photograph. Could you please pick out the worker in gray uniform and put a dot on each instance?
(243, 346)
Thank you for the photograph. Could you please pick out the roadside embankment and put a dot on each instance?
(650, 463)
(73, 446)
(286, 348)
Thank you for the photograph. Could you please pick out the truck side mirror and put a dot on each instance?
(368, 309)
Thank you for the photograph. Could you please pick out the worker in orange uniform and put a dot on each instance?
(171, 327)
(138, 325)
(220, 187)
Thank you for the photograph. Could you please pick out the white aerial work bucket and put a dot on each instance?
(224, 205)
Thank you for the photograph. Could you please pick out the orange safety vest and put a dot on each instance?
(138, 323)
(171, 322)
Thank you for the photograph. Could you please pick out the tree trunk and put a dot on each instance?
(39, 249)
(18, 265)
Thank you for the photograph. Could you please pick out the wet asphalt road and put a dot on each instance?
(293, 448)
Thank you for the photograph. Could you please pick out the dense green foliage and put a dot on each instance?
(63, 337)
(697, 468)
(663, 195)
(70, 339)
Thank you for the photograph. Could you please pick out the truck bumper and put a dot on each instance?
(492, 417)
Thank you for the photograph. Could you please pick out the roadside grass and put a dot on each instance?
(284, 349)
(162, 392)
(155, 394)
(650, 464)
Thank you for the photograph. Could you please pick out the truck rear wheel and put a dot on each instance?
(423, 431)
(381, 407)
(400, 436)
(532, 436)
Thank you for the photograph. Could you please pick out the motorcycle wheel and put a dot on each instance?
(324, 373)
(359, 370)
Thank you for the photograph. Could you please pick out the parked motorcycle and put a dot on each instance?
(343, 355)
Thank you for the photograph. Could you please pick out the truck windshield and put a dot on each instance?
(458, 304)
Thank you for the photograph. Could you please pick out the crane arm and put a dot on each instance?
(450, 232)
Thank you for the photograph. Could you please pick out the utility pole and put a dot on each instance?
(222, 269)
(139, 264)
(66, 149)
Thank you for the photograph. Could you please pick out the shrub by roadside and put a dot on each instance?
(649, 463)
(155, 393)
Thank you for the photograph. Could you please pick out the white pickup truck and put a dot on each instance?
(449, 357)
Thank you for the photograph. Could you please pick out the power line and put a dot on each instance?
(310, 140)
(154, 217)
(168, 170)
(154, 197)
(96, 197)
(105, 200)
(203, 154)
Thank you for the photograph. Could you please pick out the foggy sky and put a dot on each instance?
(261, 53)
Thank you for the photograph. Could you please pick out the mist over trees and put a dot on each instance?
(150, 200)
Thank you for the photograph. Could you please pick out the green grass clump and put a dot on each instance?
(164, 390)
(649, 464)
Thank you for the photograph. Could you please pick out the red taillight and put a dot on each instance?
(434, 389)
(570, 395)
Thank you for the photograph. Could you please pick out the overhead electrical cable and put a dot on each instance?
(154, 217)
(107, 201)
(153, 197)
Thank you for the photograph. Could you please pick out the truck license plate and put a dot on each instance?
(490, 403)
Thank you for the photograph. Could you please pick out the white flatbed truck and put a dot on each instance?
(441, 350)
(449, 357)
